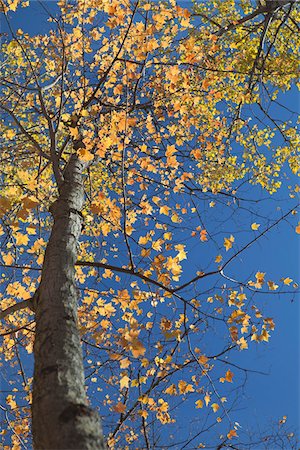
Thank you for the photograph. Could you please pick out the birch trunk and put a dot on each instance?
(61, 416)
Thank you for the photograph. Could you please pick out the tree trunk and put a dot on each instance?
(61, 416)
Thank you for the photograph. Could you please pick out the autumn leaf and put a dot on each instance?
(218, 258)
(21, 239)
(164, 210)
(207, 399)
(171, 390)
(184, 387)
(287, 281)
(255, 226)
(119, 408)
(137, 349)
(272, 286)
(232, 434)
(124, 382)
(124, 363)
(215, 407)
(228, 242)
(199, 404)
(242, 343)
(85, 155)
(8, 259)
(182, 254)
(260, 279)
(203, 235)
(228, 377)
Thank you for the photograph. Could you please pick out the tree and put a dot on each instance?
(131, 133)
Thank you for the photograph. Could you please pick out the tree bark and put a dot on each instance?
(61, 416)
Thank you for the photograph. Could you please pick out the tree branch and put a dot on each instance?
(17, 307)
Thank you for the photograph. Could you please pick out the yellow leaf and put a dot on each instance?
(74, 132)
(287, 281)
(11, 402)
(264, 336)
(182, 254)
(105, 228)
(164, 210)
(156, 245)
(143, 413)
(175, 218)
(207, 399)
(184, 387)
(21, 239)
(171, 390)
(242, 343)
(143, 240)
(228, 242)
(260, 279)
(9, 134)
(218, 258)
(124, 382)
(85, 155)
(124, 363)
(170, 150)
(298, 228)
(272, 286)
(8, 259)
(199, 404)
(255, 226)
(215, 407)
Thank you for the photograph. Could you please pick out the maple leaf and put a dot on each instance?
(8, 259)
(272, 286)
(164, 210)
(119, 408)
(215, 407)
(170, 150)
(228, 242)
(124, 382)
(218, 258)
(21, 239)
(231, 434)
(171, 390)
(229, 376)
(143, 413)
(124, 363)
(137, 349)
(182, 254)
(203, 235)
(287, 281)
(85, 155)
(242, 343)
(184, 387)
(199, 403)
(260, 279)
(156, 245)
(207, 399)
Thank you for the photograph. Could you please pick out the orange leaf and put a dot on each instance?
(231, 434)
(119, 408)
